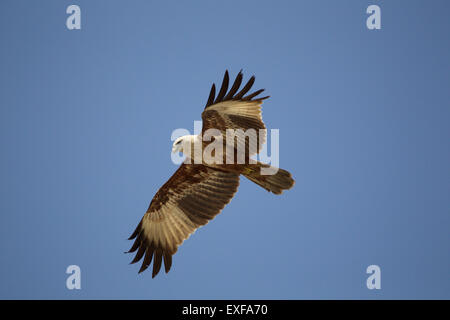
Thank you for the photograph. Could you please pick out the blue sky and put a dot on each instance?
(86, 117)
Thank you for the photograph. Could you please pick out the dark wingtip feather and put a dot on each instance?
(167, 261)
(245, 89)
(143, 268)
(212, 95)
(135, 245)
(157, 262)
(235, 87)
(139, 254)
(252, 95)
(136, 231)
(147, 259)
(223, 88)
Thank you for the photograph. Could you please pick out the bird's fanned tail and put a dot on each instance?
(277, 182)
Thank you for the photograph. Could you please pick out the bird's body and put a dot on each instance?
(208, 180)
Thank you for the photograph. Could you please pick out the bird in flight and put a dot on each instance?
(199, 190)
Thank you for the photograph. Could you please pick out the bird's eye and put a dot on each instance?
(178, 142)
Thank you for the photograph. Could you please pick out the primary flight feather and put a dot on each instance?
(196, 193)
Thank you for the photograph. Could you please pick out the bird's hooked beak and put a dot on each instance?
(177, 147)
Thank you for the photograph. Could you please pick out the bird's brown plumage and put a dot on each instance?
(236, 110)
(196, 193)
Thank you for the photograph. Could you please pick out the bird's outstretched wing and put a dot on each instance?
(235, 110)
(194, 195)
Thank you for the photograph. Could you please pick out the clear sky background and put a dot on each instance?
(85, 124)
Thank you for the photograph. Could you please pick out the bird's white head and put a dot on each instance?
(183, 143)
